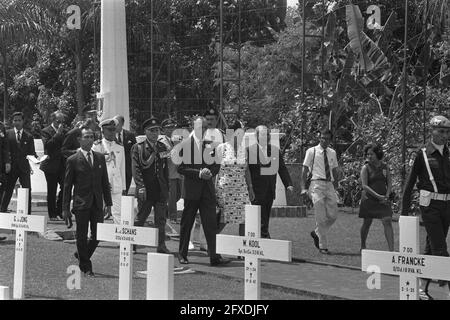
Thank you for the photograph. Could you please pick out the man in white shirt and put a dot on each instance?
(115, 163)
(321, 160)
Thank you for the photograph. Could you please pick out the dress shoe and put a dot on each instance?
(324, 251)
(219, 262)
(182, 260)
(89, 274)
(2, 238)
(423, 295)
(315, 238)
(163, 250)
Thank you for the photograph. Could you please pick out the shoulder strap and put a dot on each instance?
(425, 158)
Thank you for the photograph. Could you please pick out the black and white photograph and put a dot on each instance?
(210, 152)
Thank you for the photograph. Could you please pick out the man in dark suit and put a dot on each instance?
(265, 161)
(21, 144)
(196, 163)
(128, 140)
(5, 161)
(53, 167)
(150, 173)
(86, 172)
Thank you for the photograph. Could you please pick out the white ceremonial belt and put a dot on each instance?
(440, 196)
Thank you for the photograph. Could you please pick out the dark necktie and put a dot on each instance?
(120, 138)
(18, 136)
(89, 158)
(327, 166)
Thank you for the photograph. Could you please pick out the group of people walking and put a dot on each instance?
(168, 164)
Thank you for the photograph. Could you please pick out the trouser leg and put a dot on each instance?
(186, 223)
(11, 179)
(82, 220)
(52, 184)
(209, 223)
(160, 222)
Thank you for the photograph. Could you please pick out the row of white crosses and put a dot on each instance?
(408, 263)
(160, 278)
(160, 266)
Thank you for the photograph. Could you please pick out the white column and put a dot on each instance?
(113, 60)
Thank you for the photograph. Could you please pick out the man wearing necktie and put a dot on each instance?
(321, 160)
(86, 172)
(21, 144)
(195, 157)
(265, 163)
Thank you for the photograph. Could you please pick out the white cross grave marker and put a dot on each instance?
(22, 223)
(126, 234)
(408, 263)
(253, 248)
(4, 293)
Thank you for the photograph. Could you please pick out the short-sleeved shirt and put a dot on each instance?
(319, 163)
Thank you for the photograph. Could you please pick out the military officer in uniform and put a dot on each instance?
(114, 154)
(431, 171)
(150, 173)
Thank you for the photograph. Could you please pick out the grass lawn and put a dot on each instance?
(344, 237)
(47, 276)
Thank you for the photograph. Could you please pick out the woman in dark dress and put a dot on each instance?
(376, 184)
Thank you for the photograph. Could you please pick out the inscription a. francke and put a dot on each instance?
(408, 264)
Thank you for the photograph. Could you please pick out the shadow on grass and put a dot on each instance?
(7, 242)
(105, 276)
(345, 254)
(40, 297)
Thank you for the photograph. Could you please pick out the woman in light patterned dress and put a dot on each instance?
(234, 186)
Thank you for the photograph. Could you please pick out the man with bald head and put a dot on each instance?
(265, 162)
